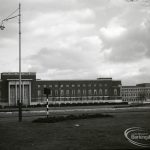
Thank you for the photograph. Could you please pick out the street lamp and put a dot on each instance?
(2, 27)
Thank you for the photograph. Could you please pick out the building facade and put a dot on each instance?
(10, 88)
(61, 91)
(136, 94)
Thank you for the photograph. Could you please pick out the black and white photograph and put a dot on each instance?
(74, 74)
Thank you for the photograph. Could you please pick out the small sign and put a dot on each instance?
(47, 91)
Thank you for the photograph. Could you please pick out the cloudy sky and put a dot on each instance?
(78, 39)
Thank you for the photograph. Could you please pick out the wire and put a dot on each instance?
(9, 17)
(11, 14)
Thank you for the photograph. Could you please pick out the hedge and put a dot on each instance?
(54, 119)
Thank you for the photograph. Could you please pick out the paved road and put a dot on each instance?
(38, 112)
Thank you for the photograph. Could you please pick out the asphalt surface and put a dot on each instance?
(53, 111)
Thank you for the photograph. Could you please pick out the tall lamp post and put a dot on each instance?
(2, 27)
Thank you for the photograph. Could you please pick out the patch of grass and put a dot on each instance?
(70, 117)
(91, 134)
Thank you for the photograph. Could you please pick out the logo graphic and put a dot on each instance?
(138, 136)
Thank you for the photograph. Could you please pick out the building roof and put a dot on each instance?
(17, 73)
(143, 85)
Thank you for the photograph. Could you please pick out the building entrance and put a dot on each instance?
(13, 88)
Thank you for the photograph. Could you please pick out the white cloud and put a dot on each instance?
(76, 54)
(112, 31)
(78, 39)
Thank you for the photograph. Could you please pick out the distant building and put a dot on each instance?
(61, 91)
(136, 94)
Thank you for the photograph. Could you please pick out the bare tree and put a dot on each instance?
(142, 2)
(142, 96)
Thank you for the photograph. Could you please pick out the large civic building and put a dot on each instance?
(61, 91)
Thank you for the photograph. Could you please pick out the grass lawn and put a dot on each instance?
(91, 134)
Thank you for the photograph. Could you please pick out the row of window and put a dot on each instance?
(135, 94)
(73, 85)
(131, 100)
(135, 90)
(78, 92)
(83, 99)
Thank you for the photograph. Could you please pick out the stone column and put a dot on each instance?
(16, 92)
(29, 93)
(9, 93)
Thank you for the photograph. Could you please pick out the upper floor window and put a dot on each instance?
(95, 85)
(50, 86)
(39, 86)
(84, 85)
(56, 85)
(67, 85)
(78, 85)
(100, 84)
(89, 85)
(73, 85)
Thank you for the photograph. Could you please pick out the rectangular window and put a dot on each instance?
(95, 92)
(84, 85)
(56, 92)
(56, 85)
(73, 92)
(89, 92)
(84, 92)
(100, 84)
(79, 92)
(61, 92)
(100, 92)
(67, 85)
(115, 92)
(94, 85)
(106, 92)
(89, 85)
(39, 93)
(67, 92)
(50, 86)
(73, 85)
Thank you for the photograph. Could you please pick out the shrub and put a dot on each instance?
(54, 119)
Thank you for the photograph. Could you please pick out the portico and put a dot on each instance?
(13, 91)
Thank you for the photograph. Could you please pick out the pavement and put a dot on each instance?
(41, 112)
